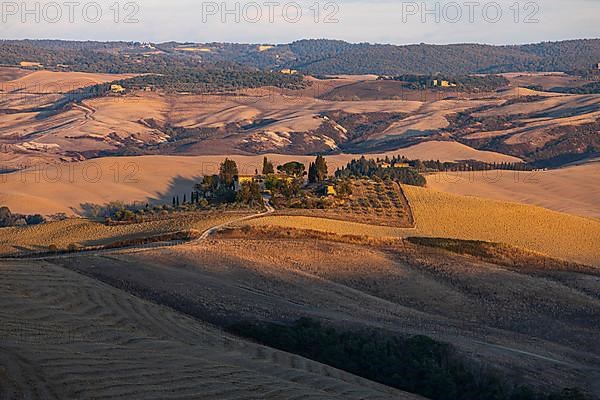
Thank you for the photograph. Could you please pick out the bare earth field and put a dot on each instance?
(66, 336)
(538, 326)
(545, 80)
(44, 82)
(572, 190)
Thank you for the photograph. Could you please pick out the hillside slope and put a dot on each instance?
(65, 336)
(537, 327)
(571, 190)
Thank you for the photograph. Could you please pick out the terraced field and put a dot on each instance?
(84, 232)
(65, 336)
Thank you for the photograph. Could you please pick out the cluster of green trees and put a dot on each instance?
(416, 364)
(7, 218)
(221, 188)
(589, 88)
(291, 187)
(288, 191)
(283, 188)
(292, 168)
(365, 167)
(372, 168)
(267, 168)
(118, 211)
(463, 82)
(468, 165)
(214, 79)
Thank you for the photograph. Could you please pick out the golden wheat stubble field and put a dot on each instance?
(445, 215)
(555, 234)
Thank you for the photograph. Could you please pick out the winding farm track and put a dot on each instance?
(149, 246)
(66, 336)
(209, 232)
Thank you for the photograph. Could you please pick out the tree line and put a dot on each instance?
(383, 169)
(323, 57)
(8, 218)
(465, 83)
(416, 364)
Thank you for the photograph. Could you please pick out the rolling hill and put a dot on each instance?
(317, 56)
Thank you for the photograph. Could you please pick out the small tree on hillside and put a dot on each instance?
(293, 168)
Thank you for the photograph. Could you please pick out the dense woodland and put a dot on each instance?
(331, 57)
(309, 56)
(416, 364)
(208, 80)
(215, 79)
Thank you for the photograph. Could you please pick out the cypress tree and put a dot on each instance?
(267, 167)
(312, 173)
(320, 169)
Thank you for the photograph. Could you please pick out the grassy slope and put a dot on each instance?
(440, 214)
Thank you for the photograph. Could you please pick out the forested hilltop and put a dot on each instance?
(319, 56)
